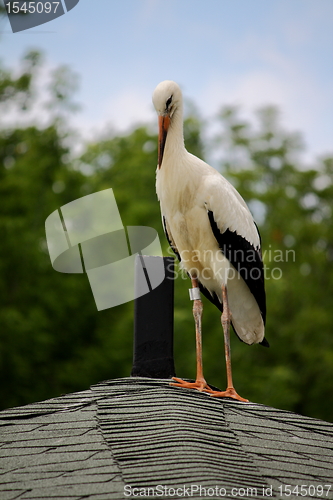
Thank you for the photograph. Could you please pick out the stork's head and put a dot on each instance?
(167, 99)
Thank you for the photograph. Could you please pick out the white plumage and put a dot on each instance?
(202, 212)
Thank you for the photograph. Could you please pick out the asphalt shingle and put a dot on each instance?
(142, 433)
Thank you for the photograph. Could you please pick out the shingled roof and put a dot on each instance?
(131, 437)
(139, 437)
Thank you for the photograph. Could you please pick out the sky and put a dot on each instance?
(246, 52)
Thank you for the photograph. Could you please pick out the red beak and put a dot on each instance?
(163, 125)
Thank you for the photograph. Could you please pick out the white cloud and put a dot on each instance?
(278, 78)
(129, 107)
(123, 111)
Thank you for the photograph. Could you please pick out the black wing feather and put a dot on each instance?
(171, 244)
(245, 258)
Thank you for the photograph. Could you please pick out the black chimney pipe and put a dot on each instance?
(153, 321)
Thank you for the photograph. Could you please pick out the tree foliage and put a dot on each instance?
(295, 204)
(53, 339)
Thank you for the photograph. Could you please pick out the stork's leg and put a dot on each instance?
(200, 383)
(225, 319)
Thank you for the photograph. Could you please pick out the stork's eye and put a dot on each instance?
(168, 102)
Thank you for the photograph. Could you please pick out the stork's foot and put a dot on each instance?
(199, 385)
(229, 393)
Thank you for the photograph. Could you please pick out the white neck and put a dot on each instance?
(174, 146)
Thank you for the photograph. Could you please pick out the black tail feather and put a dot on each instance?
(264, 342)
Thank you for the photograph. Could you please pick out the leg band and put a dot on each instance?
(194, 293)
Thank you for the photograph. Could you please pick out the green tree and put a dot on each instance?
(52, 338)
(294, 204)
(17, 91)
(39, 337)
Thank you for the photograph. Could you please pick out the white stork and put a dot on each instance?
(212, 232)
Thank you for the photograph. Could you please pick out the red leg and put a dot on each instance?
(230, 391)
(200, 384)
